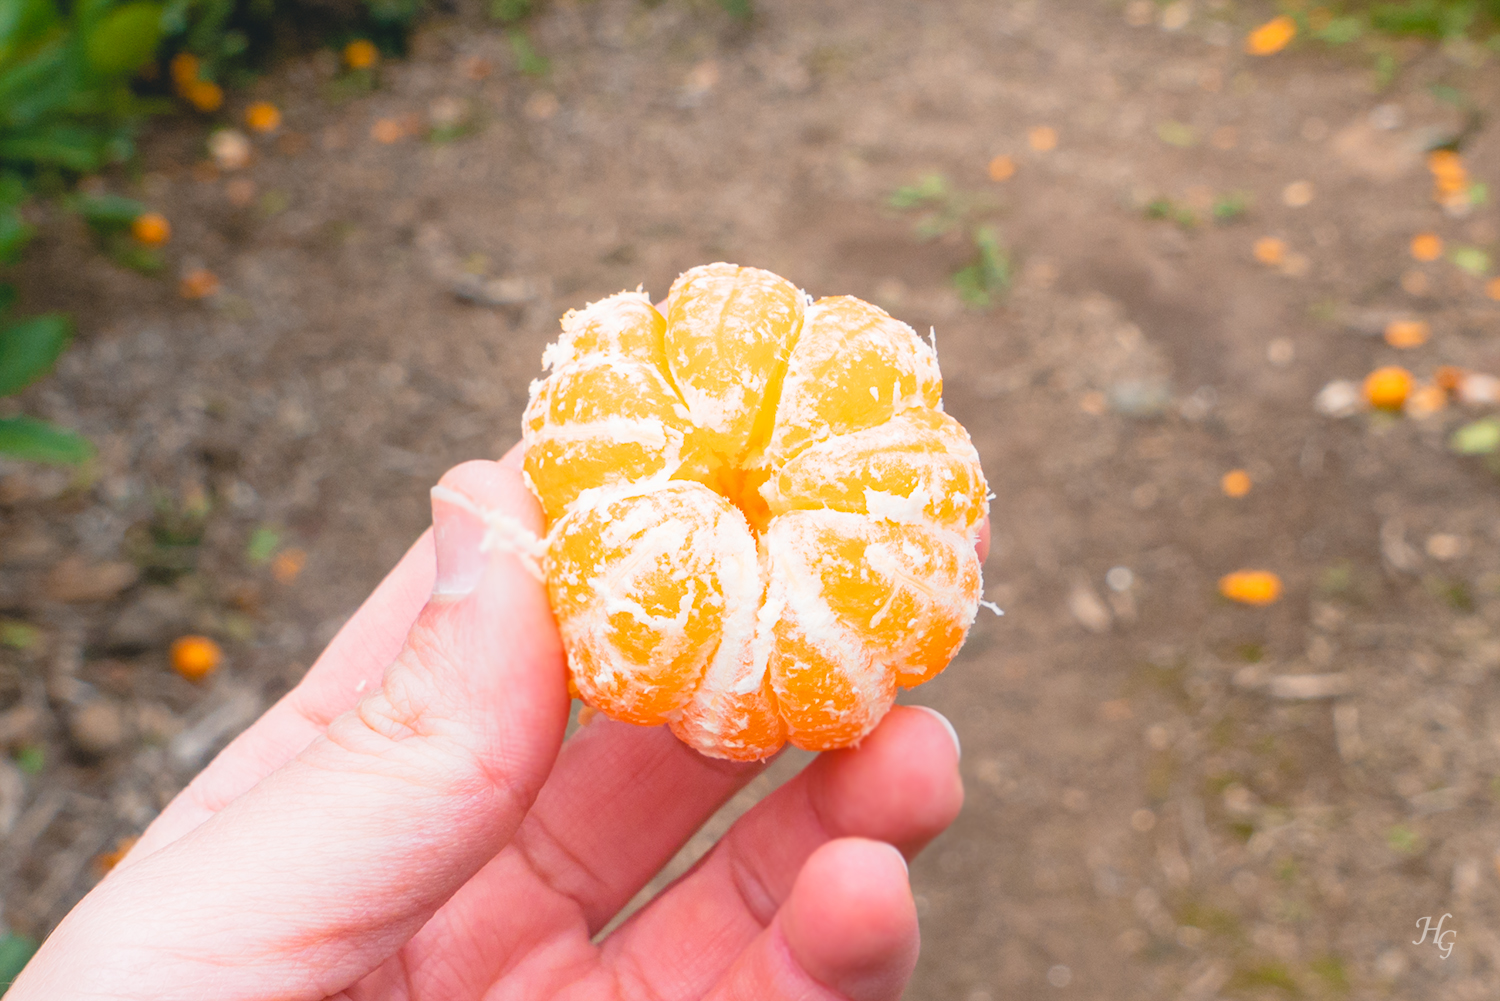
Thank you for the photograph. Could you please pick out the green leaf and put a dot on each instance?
(12, 190)
(739, 9)
(264, 542)
(15, 952)
(1386, 68)
(209, 18)
(108, 212)
(1473, 260)
(528, 60)
(30, 348)
(931, 188)
(60, 144)
(396, 13)
(23, 22)
(1403, 839)
(509, 11)
(15, 233)
(125, 40)
(27, 438)
(88, 13)
(1342, 30)
(129, 254)
(7, 298)
(174, 17)
(46, 82)
(233, 43)
(1449, 95)
(15, 635)
(31, 759)
(1481, 437)
(1228, 208)
(989, 276)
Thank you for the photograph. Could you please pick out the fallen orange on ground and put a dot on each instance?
(760, 521)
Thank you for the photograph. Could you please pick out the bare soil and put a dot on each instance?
(1151, 813)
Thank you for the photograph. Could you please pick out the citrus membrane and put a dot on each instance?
(760, 521)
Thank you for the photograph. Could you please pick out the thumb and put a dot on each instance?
(319, 873)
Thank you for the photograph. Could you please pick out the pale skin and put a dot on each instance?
(408, 824)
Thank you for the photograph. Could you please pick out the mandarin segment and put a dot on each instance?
(854, 605)
(919, 467)
(646, 588)
(598, 422)
(853, 367)
(760, 521)
(625, 325)
(725, 722)
(828, 701)
(729, 331)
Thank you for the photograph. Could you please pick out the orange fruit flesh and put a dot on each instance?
(759, 523)
(643, 587)
(728, 333)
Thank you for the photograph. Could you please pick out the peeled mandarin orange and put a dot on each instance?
(760, 521)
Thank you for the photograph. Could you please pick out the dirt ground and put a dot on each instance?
(1151, 812)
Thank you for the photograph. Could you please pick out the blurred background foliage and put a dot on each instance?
(77, 79)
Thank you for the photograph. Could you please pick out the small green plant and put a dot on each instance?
(942, 209)
(1272, 975)
(1432, 18)
(988, 277)
(264, 542)
(1424, 18)
(511, 11)
(1231, 207)
(1166, 209)
(1333, 973)
(1226, 208)
(1403, 840)
(30, 758)
(528, 61)
(16, 635)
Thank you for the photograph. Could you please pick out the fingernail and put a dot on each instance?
(952, 733)
(896, 852)
(458, 529)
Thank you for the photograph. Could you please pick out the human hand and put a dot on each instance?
(408, 824)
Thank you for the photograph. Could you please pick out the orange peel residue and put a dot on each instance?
(1407, 333)
(1426, 246)
(760, 523)
(1271, 37)
(1251, 587)
(1002, 168)
(1269, 251)
(1235, 483)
